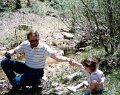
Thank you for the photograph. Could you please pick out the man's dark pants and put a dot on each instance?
(21, 75)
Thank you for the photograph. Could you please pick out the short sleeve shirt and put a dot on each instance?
(35, 57)
(96, 75)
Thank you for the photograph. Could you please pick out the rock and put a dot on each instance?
(0, 62)
(61, 90)
(3, 83)
(55, 84)
(67, 35)
(73, 76)
(45, 77)
(78, 53)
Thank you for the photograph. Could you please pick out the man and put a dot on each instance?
(32, 70)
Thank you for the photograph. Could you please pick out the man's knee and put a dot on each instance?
(4, 63)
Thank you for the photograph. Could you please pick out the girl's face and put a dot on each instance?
(87, 69)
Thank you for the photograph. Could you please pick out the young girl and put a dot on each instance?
(95, 78)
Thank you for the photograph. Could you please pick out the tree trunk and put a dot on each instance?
(42, 0)
(28, 3)
(110, 25)
(97, 25)
(18, 4)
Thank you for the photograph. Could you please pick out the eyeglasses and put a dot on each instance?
(33, 41)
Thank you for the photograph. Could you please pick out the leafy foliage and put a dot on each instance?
(14, 39)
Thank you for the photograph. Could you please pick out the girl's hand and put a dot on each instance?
(74, 63)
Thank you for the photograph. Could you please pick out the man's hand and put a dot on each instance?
(7, 55)
(74, 63)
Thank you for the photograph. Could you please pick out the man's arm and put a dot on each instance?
(11, 52)
(7, 54)
(2, 52)
(66, 59)
(60, 58)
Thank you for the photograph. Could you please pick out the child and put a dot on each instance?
(95, 77)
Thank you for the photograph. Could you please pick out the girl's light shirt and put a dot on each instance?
(96, 75)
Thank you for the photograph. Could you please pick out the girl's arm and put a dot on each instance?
(102, 79)
(78, 64)
(75, 63)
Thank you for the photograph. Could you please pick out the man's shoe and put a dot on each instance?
(37, 90)
(14, 90)
(25, 90)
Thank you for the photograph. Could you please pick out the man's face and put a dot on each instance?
(34, 41)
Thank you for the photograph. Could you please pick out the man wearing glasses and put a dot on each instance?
(32, 70)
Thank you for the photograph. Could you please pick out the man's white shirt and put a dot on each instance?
(35, 57)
